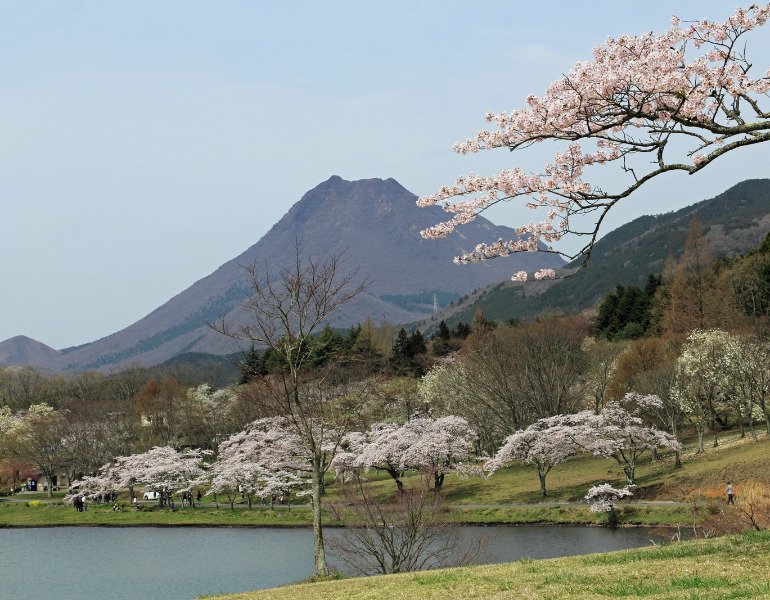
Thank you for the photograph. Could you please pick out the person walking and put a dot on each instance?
(730, 494)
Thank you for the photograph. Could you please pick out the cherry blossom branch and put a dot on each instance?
(637, 95)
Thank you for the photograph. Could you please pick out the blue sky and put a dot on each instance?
(143, 144)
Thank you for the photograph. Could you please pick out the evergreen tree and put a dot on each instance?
(626, 312)
(406, 349)
(252, 366)
(400, 357)
(441, 340)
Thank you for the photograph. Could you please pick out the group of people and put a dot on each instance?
(105, 497)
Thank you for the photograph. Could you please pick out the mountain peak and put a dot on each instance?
(374, 222)
(23, 350)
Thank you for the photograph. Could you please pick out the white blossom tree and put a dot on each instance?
(431, 446)
(701, 378)
(617, 433)
(602, 498)
(39, 438)
(382, 447)
(651, 104)
(163, 468)
(439, 446)
(544, 444)
(747, 366)
(262, 460)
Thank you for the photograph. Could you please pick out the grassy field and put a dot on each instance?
(727, 567)
(52, 514)
(55, 514)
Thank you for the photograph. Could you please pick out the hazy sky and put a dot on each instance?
(143, 144)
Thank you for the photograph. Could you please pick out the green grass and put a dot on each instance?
(729, 567)
(50, 514)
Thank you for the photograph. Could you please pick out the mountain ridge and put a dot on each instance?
(735, 221)
(376, 220)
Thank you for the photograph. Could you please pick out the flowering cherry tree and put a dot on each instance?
(261, 461)
(433, 447)
(439, 446)
(544, 444)
(674, 101)
(162, 468)
(617, 433)
(602, 498)
(382, 447)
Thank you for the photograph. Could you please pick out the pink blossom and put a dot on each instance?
(636, 94)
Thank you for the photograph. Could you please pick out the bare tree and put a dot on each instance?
(383, 535)
(289, 303)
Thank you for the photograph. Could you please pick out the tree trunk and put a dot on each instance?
(542, 485)
(629, 470)
(677, 453)
(396, 475)
(699, 430)
(321, 568)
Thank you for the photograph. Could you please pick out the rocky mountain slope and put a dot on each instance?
(378, 223)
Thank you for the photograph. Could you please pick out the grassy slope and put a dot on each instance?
(729, 567)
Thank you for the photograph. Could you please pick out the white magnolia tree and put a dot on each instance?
(748, 379)
(701, 378)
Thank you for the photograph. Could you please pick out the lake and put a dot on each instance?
(181, 563)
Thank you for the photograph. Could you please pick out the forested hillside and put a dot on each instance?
(735, 221)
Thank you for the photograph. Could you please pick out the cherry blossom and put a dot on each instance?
(543, 444)
(434, 447)
(162, 468)
(260, 461)
(650, 104)
(617, 433)
(603, 497)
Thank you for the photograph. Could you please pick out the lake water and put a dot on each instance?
(85, 563)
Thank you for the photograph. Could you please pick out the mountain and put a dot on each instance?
(376, 220)
(21, 350)
(735, 221)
